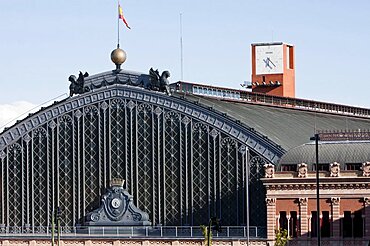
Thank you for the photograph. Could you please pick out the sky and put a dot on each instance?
(42, 42)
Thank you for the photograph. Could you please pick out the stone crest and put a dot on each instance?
(270, 201)
(302, 170)
(367, 201)
(269, 170)
(366, 169)
(335, 200)
(303, 201)
(117, 209)
(334, 169)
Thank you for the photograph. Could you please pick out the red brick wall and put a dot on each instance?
(286, 205)
(325, 205)
(350, 205)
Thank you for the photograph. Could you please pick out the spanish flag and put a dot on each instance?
(120, 16)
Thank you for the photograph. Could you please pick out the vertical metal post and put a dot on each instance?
(209, 232)
(247, 189)
(317, 138)
(58, 212)
(52, 228)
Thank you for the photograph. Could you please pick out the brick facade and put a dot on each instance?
(344, 216)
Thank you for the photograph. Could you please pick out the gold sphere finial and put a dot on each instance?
(118, 57)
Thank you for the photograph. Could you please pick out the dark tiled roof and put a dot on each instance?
(341, 152)
(285, 126)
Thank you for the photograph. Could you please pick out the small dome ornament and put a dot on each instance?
(118, 57)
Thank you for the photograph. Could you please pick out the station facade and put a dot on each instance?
(187, 152)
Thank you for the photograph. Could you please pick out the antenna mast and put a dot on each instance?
(181, 51)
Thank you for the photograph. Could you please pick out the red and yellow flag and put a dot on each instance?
(120, 16)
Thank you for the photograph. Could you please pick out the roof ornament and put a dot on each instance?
(77, 86)
(159, 82)
(117, 209)
(118, 57)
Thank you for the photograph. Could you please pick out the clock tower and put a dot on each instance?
(273, 69)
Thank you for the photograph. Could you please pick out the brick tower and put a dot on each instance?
(273, 69)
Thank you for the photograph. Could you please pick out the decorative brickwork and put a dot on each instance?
(335, 202)
(367, 217)
(303, 206)
(271, 217)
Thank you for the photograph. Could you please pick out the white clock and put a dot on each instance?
(269, 59)
(116, 203)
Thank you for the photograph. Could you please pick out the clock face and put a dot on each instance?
(269, 59)
(116, 203)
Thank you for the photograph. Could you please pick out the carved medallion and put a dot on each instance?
(334, 169)
(303, 201)
(269, 170)
(335, 200)
(367, 201)
(302, 170)
(270, 201)
(117, 209)
(366, 169)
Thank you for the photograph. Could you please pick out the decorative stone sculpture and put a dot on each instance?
(117, 209)
(77, 86)
(269, 170)
(159, 82)
(302, 170)
(270, 201)
(366, 169)
(303, 201)
(335, 200)
(334, 169)
(367, 201)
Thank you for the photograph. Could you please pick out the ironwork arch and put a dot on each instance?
(182, 162)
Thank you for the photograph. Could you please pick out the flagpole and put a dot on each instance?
(117, 24)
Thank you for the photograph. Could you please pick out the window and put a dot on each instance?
(290, 57)
(289, 168)
(353, 166)
(322, 167)
(347, 224)
(325, 224)
(283, 221)
(293, 224)
(314, 224)
(358, 228)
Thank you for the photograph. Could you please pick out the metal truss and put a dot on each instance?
(180, 168)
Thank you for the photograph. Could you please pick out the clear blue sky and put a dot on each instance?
(42, 42)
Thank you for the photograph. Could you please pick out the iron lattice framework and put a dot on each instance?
(182, 162)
